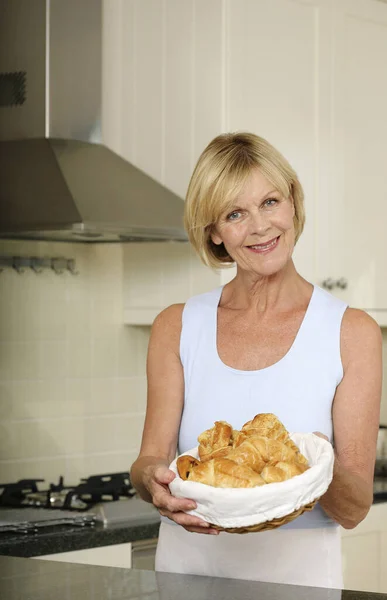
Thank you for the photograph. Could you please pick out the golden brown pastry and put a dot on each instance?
(185, 464)
(262, 452)
(258, 451)
(247, 454)
(300, 458)
(225, 473)
(212, 440)
(266, 425)
(282, 471)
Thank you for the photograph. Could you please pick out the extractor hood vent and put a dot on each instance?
(58, 181)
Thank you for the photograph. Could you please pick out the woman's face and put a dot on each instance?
(258, 231)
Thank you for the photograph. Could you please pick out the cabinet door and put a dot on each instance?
(163, 83)
(278, 86)
(383, 562)
(117, 555)
(360, 555)
(350, 236)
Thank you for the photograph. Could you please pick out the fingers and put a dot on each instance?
(208, 531)
(190, 523)
(164, 475)
(163, 499)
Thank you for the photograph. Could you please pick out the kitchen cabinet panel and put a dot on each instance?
(278, 87)
(160, 274)
(351, 240)
(383, 562)
(309, 76)
(148, 86)
(143, 275)
(111, 75)
(364, 552)
(361, 562)
(163, 83)
(127, 35)
(177, 122)
(117, 555)
(209, 102)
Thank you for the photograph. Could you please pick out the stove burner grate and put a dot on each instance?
(96, 488)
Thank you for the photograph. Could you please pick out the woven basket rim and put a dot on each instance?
(268, 525)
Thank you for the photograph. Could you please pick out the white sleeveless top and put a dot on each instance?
(299, 388)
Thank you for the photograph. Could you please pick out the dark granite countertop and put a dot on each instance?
(128, 522)
(69, 538)
(24, 579)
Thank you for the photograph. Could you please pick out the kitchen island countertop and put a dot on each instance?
(24, 579)
(70, 538)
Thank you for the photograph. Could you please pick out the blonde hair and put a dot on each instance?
(219, 177)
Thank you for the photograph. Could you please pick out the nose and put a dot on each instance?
(259, 223)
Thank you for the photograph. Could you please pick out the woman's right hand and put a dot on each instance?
(156, 479)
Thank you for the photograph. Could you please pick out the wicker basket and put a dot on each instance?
(269, 524)
(244, 510)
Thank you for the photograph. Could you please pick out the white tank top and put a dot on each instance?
(299, 388)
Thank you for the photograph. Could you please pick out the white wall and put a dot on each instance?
(72, 376)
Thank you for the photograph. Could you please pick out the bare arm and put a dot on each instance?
(165, 396)
(356, 411)
(150, 474)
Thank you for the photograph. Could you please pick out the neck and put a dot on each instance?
(279, 292)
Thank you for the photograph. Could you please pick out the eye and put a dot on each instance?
(232, 216)
(271, 202)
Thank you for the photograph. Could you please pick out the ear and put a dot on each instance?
(215, 237)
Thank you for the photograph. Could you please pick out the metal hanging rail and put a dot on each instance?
(37, 264)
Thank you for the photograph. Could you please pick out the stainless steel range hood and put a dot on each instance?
(57, 180)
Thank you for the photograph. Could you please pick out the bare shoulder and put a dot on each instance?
(170, 317)
(167, 325)
(360, 334)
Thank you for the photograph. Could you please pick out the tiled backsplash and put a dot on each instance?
(72, 376)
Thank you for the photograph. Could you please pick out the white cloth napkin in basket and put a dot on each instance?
(242, 507)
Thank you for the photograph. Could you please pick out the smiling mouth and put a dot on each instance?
(263, 248)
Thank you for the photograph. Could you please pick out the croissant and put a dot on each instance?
(258, 451)
(262, 452)
(300, 458)
(212, 442)
(185, 464)
(282, 471)
(218, 472)
(266, 425)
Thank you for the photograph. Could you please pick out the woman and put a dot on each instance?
(268, 341)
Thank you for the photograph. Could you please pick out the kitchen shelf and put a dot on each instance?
(141, 316)
(380, 316)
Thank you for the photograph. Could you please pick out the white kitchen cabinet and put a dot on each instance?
(350, 219)
(278, 68)
(163, 96)
(139, 555)
(163, 102)
(364, 552)
(308, 75)
(159, 274)
(360, 562)
(116, 555)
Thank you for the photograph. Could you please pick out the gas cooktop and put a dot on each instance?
(80, 497)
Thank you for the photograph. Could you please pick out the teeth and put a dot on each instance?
(265, 247)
